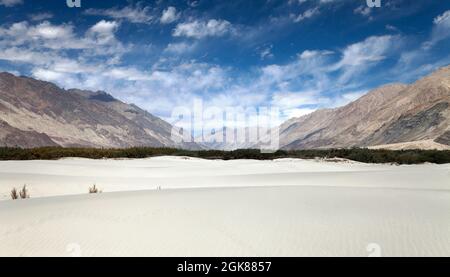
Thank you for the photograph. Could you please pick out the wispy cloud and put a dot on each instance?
(266, 52)
(169, 15)
(363, 10)
(100, 38)
(44, 47)
(441, 30)
(308, 54)
(40, 16)
(180, 47)
(200, 29)
(10, 3)
(133, 13)
(310, 13)
(357, 58)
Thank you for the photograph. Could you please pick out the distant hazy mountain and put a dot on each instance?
(388, 115)
(36, 113)
(229, 139)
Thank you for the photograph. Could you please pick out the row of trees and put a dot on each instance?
(355, 154)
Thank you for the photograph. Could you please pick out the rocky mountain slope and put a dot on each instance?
(36, 113)
(391, 114)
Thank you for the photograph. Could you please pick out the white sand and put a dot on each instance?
(232, 208)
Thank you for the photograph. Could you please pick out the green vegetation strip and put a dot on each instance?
(355, 154)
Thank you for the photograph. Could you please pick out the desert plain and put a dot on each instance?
(181, 206)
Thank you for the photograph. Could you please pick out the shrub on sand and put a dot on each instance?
(94, 189)
(23, 193)
(14, 194)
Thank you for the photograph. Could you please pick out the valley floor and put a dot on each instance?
(420, 144)
(175, 206)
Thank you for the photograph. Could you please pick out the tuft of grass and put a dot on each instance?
(94, 189)
(23, 193)
(14, 194)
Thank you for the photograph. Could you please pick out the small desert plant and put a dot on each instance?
(14, 194)
(94, 189)
(23, 193)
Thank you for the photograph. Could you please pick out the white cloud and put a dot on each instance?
(308, 71)
(48, 75)
(41, 35)
(127, 73)
(443, 19)
(441, 30)
(295, 99)
(99, 39)
(103, 32)
(10, 3)
(419, 61)
(298, 112)
(169, 15)
(40, 16)
(391, 28)
(357, 58)
(48, 31)
(44, 48)
(298, 103)
(372, 49)
(104, 27)
(266, 52)
(200, 29)
(363, 10)
(301, 86)
(134, 14)
(193, 3)
(345, 98)
(21, 55)
(307, 54)
(306, 14)
(180, 47)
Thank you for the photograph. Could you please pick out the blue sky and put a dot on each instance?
(298, 55)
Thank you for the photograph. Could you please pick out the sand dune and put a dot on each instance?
(227, 208)
(75, 176)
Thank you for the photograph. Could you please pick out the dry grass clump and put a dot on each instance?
(94, 189)
(23, 193)
(14, 194)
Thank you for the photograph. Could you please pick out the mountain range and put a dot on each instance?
(36, 113)
(392, 114)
